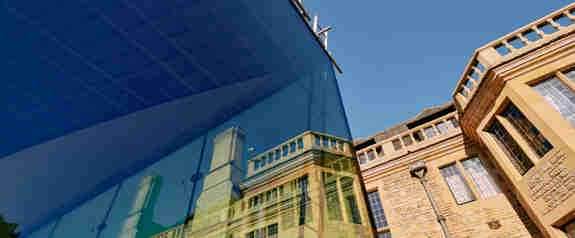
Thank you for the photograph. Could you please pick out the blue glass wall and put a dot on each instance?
(310, 102)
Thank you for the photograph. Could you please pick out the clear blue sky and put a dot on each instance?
(399, 57)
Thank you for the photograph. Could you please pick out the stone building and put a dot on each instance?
(509, 171)
(470, 197)
(517, 100)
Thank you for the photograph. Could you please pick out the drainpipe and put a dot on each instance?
(418, 170)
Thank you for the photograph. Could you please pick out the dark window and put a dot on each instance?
(341, 146)
(256, 164)
(379, 150)
(378, 215)
(304, 203)
(516, 155)
(270, 157)
(292, 147)
(278, 154)
(285, 150)
(333, 143)
(351, 203)
(332, 197)
(317, 140)
(273, 230)
(263, 161)
(325, 141)
(418, 136)
(299, 144)
(530, 133)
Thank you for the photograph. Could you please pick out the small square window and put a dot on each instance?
(407, 140)
(429, 132)
(396, 144)
(379, 151)
(418, 136)
(299, 144)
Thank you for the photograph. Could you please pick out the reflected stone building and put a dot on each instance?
(308, 186)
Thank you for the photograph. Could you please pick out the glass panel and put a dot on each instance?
(407, 140)
(371, 155)
(278, 154)
(292, 147)
(441, 127)
(457, 184)
(285, 150)
(317, 140)
(325, 141)
(350, 200)
(559, 96)
(332, 197)
(376, 209)
(530, 133)
(429, 132)
(385, 234)
(515, 154)
(304, 210)
(479, 176)
(272, 230)
(396, 144)
(256, 164)
(263, 161)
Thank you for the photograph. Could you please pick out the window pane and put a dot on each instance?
(341, 146)
(325, 141)
(511, 148)
(396, 144)
(480, 177)
(385, 234)
(270, 157)
(285, 150)
(457, 184)
(407, 140)
(292, 147)
(362, 159)
(333, 143)
(278, 154)
(256, 164)
(559, 96)
(376, 209)
(273, 230)
(530, 133)
(263, 161)
(429, 132)
(441, 127)
(371, 155)
(332, 197)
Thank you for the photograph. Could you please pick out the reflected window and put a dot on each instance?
(559, 96)
(459, 188)
(285, 150)
(429, 132)
(256, 164)
(385, 234)
(378, 215)
(270, 157)
(515, 154)
(292, 147)
(441, 127)
(481, 179)
(332, 197)
(317, 140)
(530, 133)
